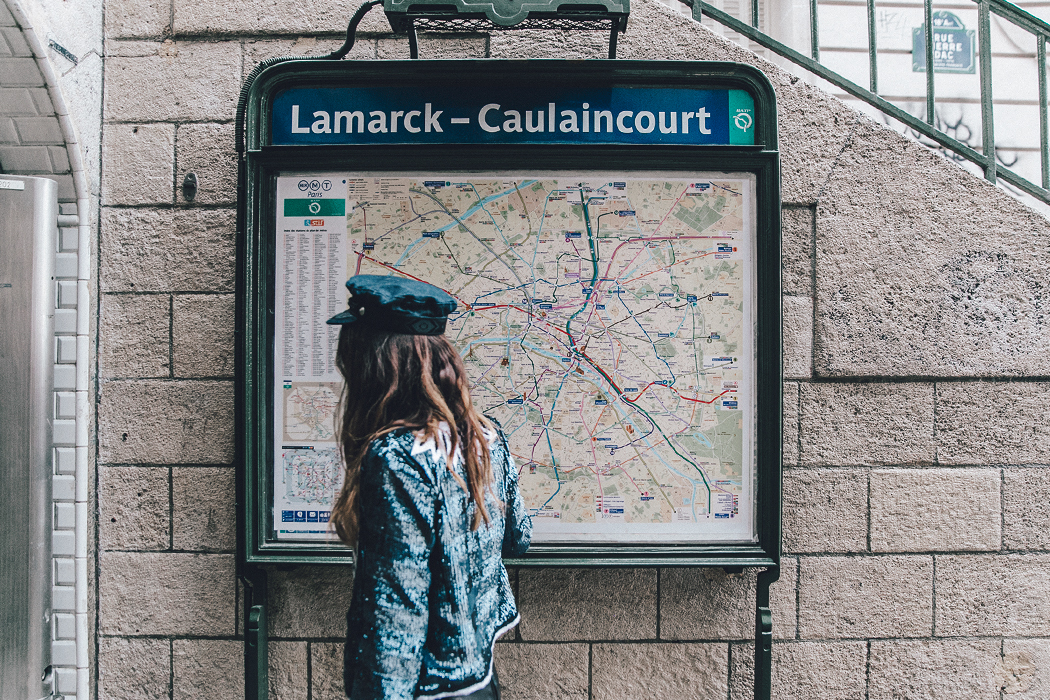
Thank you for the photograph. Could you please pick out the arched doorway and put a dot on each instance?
(39, 137)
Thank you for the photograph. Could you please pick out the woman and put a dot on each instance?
(429, 499)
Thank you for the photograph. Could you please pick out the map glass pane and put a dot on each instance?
(606, 321)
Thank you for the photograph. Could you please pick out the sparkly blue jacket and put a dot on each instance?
(430, 596)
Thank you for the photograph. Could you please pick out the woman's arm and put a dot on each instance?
(517, 534)
(394, 544)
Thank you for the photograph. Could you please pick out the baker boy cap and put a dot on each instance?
(396, 305)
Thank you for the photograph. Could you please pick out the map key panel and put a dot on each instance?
(605, 321)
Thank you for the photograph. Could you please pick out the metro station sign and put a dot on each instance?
(382, 115)
(611, 233)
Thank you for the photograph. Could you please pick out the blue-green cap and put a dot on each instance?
(396, 305)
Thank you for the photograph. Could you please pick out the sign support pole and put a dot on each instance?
(764, 634)
(256, 636)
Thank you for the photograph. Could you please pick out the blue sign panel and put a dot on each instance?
(953, 45)
(622, 115)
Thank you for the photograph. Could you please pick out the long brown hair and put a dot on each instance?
(393, 381)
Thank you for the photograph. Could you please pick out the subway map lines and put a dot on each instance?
(603, 323)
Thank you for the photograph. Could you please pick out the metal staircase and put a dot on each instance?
(1011, 45)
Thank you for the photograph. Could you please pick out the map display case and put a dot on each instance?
(611, 233)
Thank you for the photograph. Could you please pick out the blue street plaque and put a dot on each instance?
(953, 45)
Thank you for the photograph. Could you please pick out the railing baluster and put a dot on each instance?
(873, 70)
(754, 13)
(1044, 154)
(928, 26)
(814, 32)
(984, 38)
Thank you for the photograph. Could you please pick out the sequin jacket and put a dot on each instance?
(430, 596)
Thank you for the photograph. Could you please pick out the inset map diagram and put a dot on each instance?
(312, 476)
(309, 411)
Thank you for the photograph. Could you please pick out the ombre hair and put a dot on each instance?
(395, 381)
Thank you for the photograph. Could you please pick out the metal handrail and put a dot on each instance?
(986, 159)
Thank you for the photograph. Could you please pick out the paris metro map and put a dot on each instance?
(606, 321)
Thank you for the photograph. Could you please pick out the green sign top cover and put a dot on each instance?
(564, 115)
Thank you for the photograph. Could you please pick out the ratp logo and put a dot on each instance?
(743, 121)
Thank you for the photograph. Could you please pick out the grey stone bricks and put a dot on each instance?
(310, 601)
(917, 510)
(797, 336)
(866, 424)
(166, 422)
(825, 510)
(192, 81)
(711, 604)
(207, 668)
(17, 101)
(207, 150)
(259, 50)
(137, 19)
(326, 666)
(608, 604)
(287, 662)
(439, 45)
(659, 671)
(993, 595)
(20, 72)
(531, 43)
(165, 250)
(203, 335)
(13, 43)
(166, 594)
(1024, 672)
(865, 596)
(139, 163)
(34, 159)
(133, 508)
(543, 671)
(39, 131)
(934, 669)
(1026, 508)
(796, 224)
(260, 17)
(949, 307)
(131, 669)
(993, 423)
(134, 335)
(804, 671)
(204, 518)
(789, 424)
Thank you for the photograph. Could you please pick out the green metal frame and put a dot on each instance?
(985, 159)
(255, 296)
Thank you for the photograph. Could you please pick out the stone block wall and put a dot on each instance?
(916, 452)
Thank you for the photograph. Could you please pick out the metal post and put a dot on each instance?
(984, 37)
(814, 31)
(764, 634)
(256, 637)
(413, 43)
(1044, 155)
(873, 60)
(613, 38)
(928, 26)
(754, 13)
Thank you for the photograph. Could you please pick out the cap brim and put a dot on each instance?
(342, 319)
